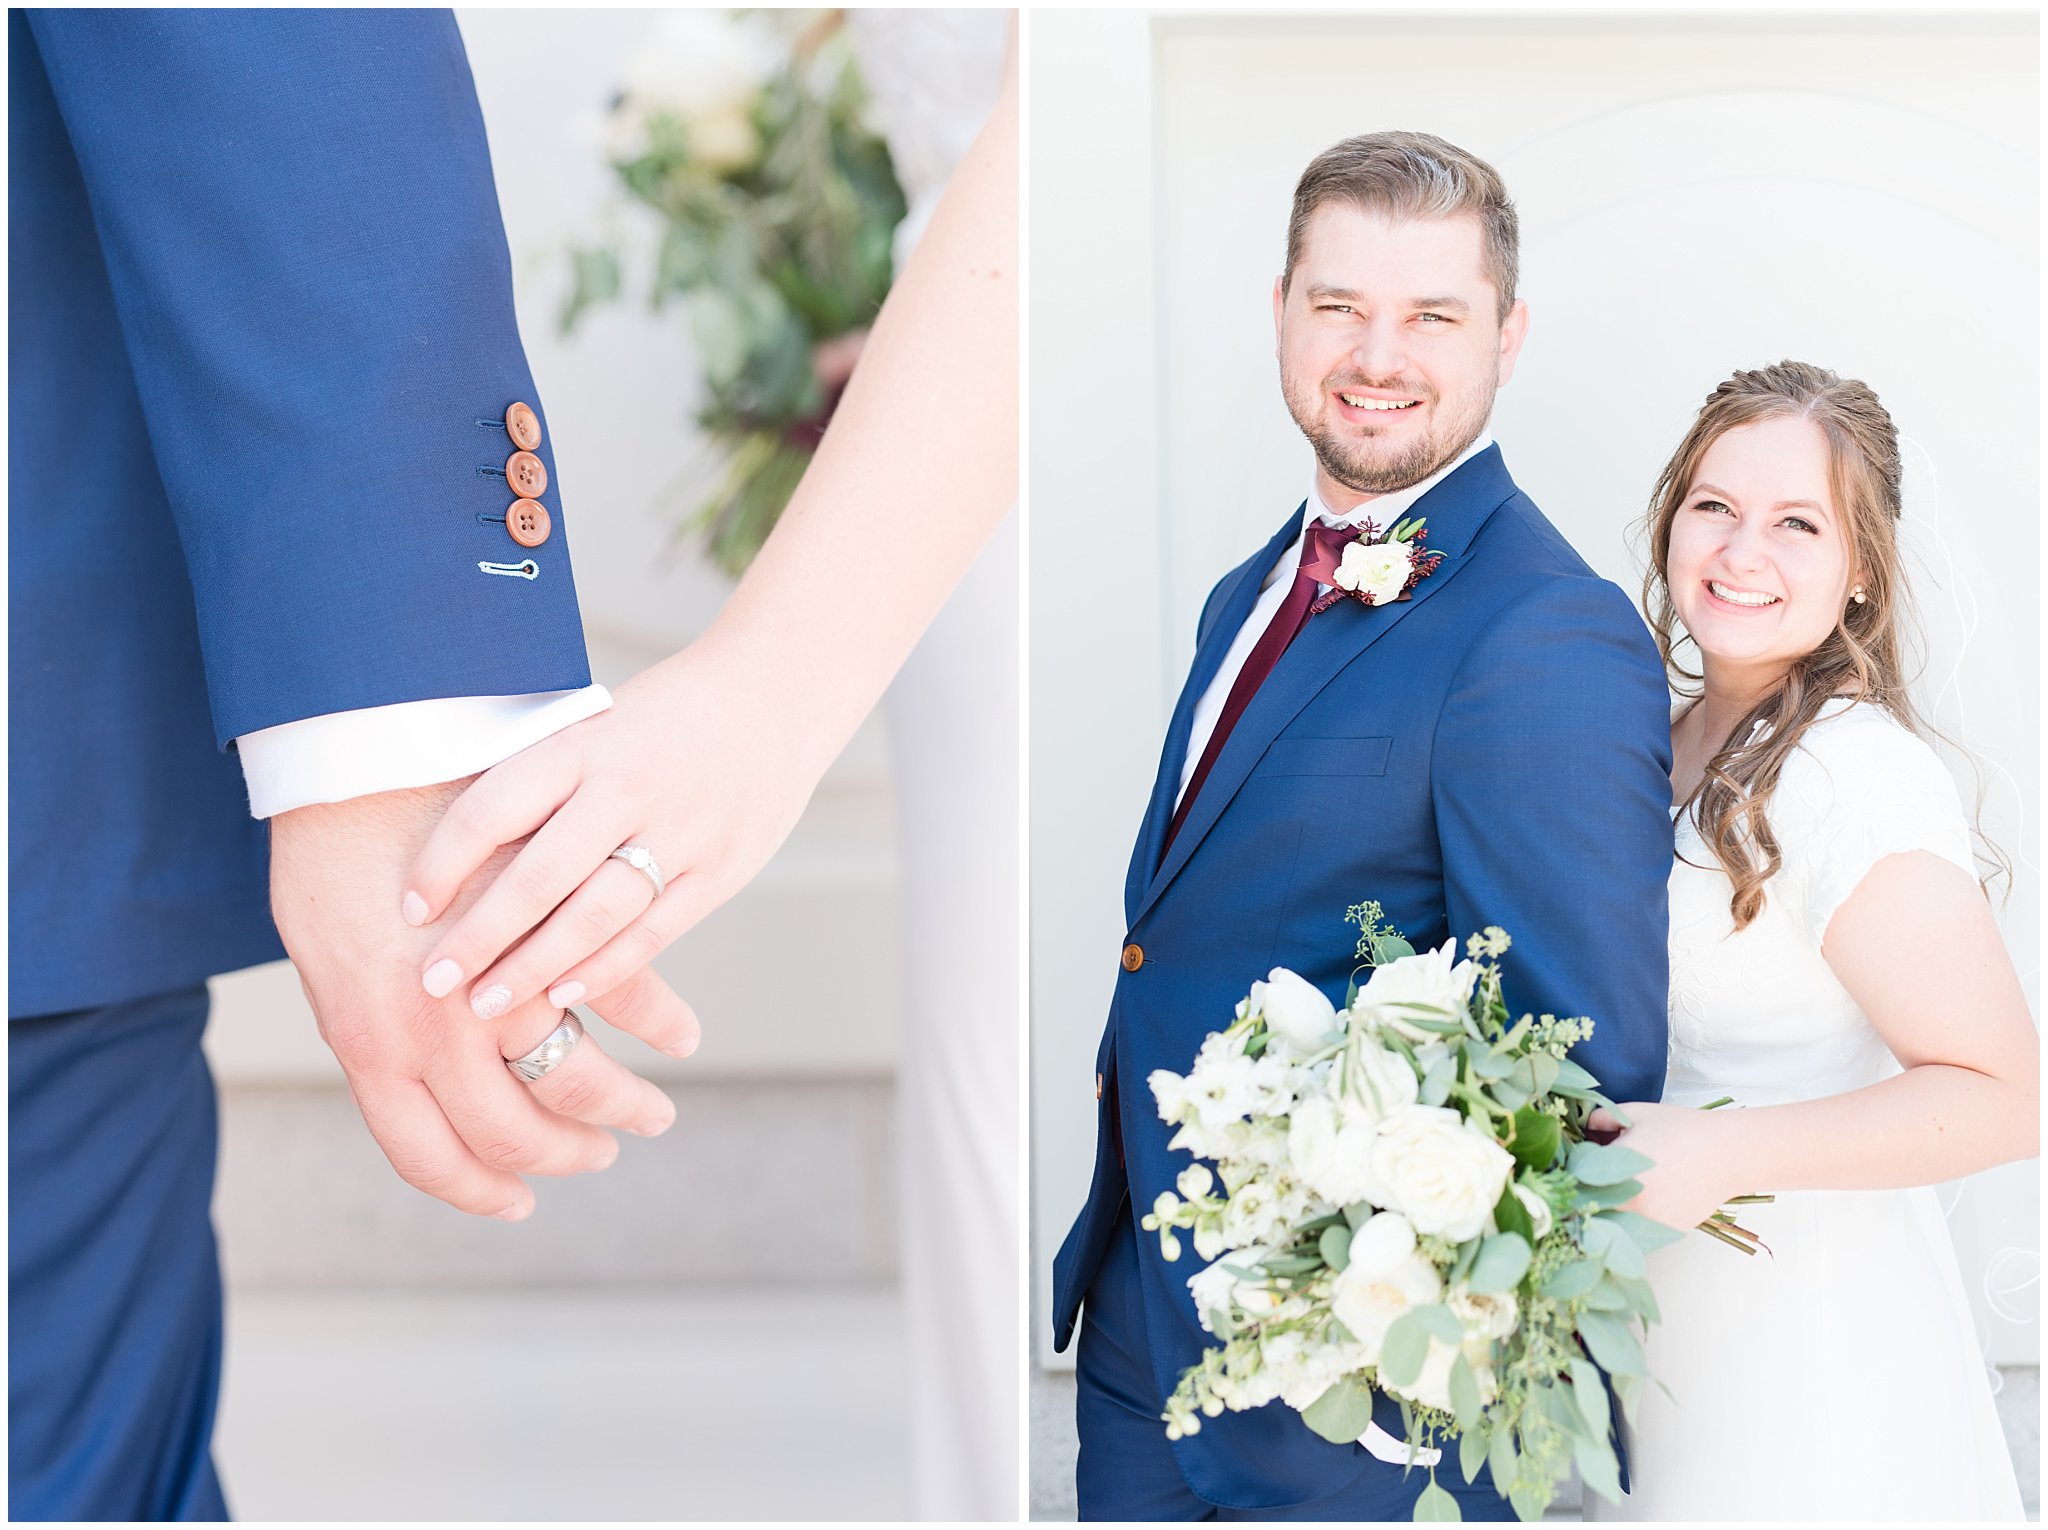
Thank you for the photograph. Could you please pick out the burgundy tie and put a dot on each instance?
(1321, 551)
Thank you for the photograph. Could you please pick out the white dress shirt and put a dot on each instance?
(410, 743)
(1382, 511)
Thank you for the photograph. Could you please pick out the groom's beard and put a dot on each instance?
(1361, 458)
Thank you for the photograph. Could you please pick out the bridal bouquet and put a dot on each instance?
(1404, 1198)
(777, 206)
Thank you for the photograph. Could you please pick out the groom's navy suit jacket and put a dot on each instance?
(1493, 751)
(261, 346)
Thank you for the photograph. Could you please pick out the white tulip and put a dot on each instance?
(1296, 1011)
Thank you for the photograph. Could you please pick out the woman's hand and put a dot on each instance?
(688, 765)
(1694, 1171)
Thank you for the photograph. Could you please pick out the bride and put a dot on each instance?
(1836, 970)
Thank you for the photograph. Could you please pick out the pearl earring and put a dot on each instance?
(1857, 595)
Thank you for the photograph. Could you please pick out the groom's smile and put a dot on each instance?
(1391, 344)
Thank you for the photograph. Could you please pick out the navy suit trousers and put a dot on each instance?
(114, 1318)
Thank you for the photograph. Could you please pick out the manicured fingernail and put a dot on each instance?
(684, 1047)
(562, 995)
(491, 1002)
(514, 1213)
(413, 908)
(653, 1128)
(440, 979)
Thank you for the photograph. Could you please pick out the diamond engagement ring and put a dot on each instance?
(551, 1053)
(642, 861)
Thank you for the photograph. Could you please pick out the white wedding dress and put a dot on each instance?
(1839, 1376)
(932, 77)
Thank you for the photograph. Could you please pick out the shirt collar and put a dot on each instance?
(1388, 508)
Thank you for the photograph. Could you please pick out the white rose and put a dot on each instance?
(1385, 1278)
(1445, 1173)
(1377, 571)
(1428, 978)
(1538, 1209)
(704, 69)
(1432, 1386)
(1485, 1314)
(1296, 1011)
(1330, 1148)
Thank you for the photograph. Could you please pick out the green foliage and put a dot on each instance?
(1503, 1261)
(1341, 1414)
(1436, 1506)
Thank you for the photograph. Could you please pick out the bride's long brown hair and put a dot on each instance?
(1862, 658)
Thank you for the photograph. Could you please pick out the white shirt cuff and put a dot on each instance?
(411, 743)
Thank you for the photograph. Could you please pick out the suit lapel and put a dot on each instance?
(1456, 509)
(1238, 598)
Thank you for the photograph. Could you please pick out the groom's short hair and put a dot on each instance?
(1411, 175)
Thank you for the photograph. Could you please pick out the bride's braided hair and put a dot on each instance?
(1863, 657)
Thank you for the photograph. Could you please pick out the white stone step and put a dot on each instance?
(559, 1403)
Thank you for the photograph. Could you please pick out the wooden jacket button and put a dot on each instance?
(527, 474)
(1134, 958)
(528, 521)
(523, 426)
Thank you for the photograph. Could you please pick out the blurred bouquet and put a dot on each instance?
(743, 132)
(1404, 1198)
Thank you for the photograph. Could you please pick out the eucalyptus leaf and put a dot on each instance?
(1510, 1095)
(1569, 1072)
(1500, 1456)
(1389, 948)
(1443, 1323)
(1557, 1405)
(1628, 1391)
(1358, 1213)
(1575, 1279)
(1503, 1261)
(1597, 1468)
(1462, 1265)
(1615, 1248)
(1292, 1264)
(1342, 1413)
(1544, 1068)
(1472, 1450)
(1436, 1506)
(1647, 1234)
(1465, 1403)
(1608, 1340)
(1405, 1348)
(1529, 1501)
(1604, 1197)
(1641, 1299)
(1607, 1296)
(1336, 1246)
(1491, 1065)
(1592, 1163)
(1536, 1139)
(1436, 1083)
(1590, 1392)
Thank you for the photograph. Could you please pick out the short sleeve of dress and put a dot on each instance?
(1858, 789)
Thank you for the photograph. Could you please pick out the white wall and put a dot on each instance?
(1697, 194)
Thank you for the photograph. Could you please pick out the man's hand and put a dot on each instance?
(428, 1075)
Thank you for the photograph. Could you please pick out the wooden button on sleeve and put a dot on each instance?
(1134, 958)
(528, 521)
(527, 475)
(523, 426)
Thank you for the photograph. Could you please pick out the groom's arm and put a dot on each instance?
(1552, 792)
(301, 229)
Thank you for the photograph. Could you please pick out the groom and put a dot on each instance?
(1491, 749)
(269, 414)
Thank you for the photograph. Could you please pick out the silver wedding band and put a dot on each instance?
(550, 1054)
(641, 859)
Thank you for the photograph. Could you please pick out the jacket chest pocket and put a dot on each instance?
(1326, 757)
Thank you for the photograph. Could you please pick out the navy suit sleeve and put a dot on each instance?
(1552, 788)
(298, 216)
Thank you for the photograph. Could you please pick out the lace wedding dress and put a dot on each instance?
(932, 76)
(1840, 1375)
